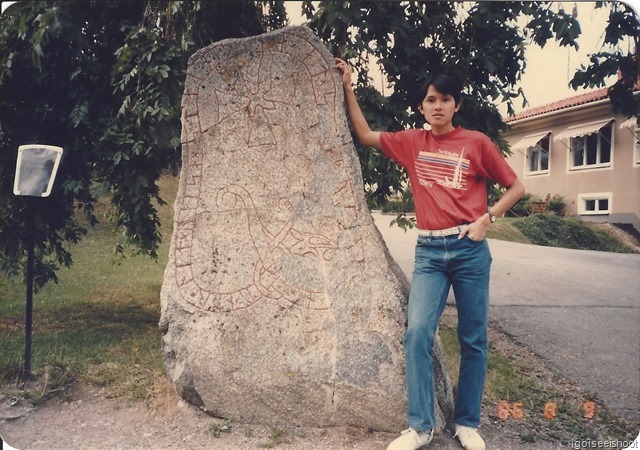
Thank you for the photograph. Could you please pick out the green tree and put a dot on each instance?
(483, 44)
(102, 80)
(480, 43)
(52, 66)
(614, 59)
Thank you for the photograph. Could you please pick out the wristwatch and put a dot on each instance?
(492, 216)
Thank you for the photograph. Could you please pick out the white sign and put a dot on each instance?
(5, 5)
(36, 169)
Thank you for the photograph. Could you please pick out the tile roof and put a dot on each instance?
(581, 99)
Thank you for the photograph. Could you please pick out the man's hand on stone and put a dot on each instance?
(346, 72)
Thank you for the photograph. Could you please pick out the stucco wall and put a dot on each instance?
(619, 180)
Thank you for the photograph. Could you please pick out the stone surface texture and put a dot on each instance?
(280, 301)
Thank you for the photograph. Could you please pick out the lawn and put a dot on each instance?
(100, 323)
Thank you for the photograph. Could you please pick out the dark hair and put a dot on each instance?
(444, 84)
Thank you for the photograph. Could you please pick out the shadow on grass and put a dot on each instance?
(79, 337)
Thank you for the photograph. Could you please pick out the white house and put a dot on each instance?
(578, 149)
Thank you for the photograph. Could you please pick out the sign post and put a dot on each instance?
(36, 170)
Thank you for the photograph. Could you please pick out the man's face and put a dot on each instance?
(438, 108)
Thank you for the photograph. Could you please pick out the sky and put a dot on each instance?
(549, 70)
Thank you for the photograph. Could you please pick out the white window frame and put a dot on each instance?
(539, 150)
(595, 197)
(598, 164)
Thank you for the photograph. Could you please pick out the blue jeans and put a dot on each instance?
(440, 263)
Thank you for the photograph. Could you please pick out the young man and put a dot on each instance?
(448, 170)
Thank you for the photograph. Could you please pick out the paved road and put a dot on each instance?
(580, 310)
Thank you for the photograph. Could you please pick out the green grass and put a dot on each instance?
(278, 437)
(504, 230)
(554, 231)
(216, 429)
(100, 323)
(513, 376)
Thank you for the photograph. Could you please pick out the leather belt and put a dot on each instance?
(439, 233)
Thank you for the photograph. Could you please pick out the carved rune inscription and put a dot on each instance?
(265, 197)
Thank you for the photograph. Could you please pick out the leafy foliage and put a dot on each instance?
(522, 206)
(623, 24)
(555, 231)
(557, 205)
(480, 43)
(104, 82)
(143, 137)
(50, 49)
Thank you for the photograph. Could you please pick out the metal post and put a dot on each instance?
(29, 307)
(36, 169)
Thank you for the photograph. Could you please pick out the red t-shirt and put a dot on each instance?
(448, 173)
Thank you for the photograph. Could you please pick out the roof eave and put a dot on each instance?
(557, 112)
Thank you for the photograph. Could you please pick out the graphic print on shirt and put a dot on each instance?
(442, 167)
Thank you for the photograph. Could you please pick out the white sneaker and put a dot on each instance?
(411, 439)
(469, 438)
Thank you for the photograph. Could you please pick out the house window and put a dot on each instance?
(592, 204)
(592, 150)
(538, 157)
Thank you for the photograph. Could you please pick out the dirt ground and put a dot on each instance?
(90, 421)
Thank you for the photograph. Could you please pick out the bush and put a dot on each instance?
(403, 204)
(553, 231)
(393, 206)
(557, 205)
(522, 207)
(372, 203)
